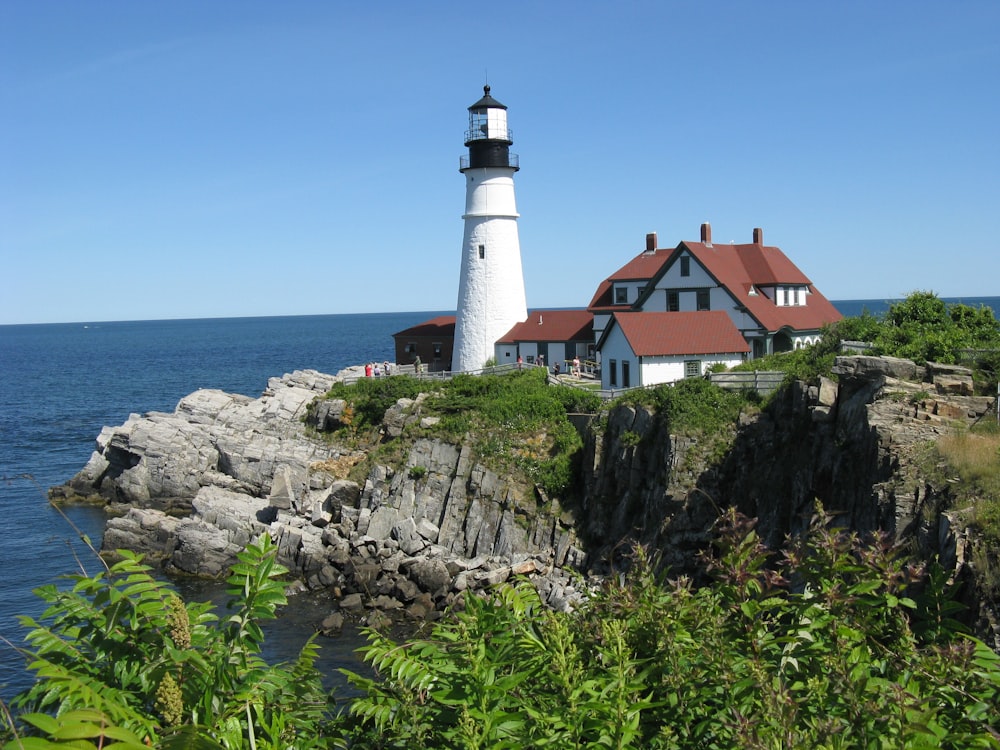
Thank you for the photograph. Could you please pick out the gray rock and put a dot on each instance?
(431, 575)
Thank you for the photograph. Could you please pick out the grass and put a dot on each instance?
(974, 456)
(517, 423)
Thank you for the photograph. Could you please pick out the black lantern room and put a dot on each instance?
(488, 137)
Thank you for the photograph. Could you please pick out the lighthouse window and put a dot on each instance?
(482, 251)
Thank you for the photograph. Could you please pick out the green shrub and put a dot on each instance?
(692, 405)
(121, 661)
(843, 659)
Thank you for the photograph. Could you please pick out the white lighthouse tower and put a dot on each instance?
(491, 288)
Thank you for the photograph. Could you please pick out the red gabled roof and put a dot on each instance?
(552, 325)
(660, 334)
(642, 267)
(443, 325)
(739, 268)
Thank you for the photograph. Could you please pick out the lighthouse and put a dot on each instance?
(491, 287)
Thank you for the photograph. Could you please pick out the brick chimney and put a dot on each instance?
(706, 233)
(758, 236)
(650, 242)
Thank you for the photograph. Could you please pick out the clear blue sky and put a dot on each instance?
(211, 159)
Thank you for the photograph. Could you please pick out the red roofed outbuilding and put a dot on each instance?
(554, 335)
(432, 341)
(646, 348)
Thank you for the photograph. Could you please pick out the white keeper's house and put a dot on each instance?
(672, 313)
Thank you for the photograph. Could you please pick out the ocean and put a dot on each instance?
(63, 382)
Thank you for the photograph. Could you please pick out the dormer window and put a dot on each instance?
(621, 295)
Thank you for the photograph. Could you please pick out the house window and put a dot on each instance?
(613, 373)
(780, 297)
(437, 351)
(626, 379)
(410, 348)
(703, 300)
(482, 251)
(673, 302)
(621, 295)
(692, 368)
(685, 265)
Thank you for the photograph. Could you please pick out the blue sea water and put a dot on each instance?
(854, 307)
(61, 383)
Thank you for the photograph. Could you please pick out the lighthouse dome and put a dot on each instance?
(487, 102)
(488, 121)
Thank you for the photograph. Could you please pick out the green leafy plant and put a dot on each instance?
(834, 644)
(120, 660)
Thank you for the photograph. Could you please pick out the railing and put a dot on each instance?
(477, 134)
(512, 161)
(764, 382)
(411, 371)
(854, 347)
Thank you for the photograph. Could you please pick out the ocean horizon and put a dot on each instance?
(846, 307)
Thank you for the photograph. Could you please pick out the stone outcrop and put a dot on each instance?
(854, 445)
(193, 487)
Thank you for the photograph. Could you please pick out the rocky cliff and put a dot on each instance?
(190, 488)
(858, 446)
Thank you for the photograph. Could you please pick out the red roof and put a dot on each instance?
(659, 334)
(443, 325)
(742, 267)
(642, 267)
(552, 325)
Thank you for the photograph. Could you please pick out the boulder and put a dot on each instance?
(431, 575)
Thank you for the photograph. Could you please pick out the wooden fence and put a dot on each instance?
(764, 382)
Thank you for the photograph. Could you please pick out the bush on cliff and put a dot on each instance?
(925, 328)
(516, 422)
(921, 327)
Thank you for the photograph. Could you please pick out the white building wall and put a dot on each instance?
(672, 279)
(653, 370)
(616, 347)
(657, 370)
(506, 354)
(491, 296)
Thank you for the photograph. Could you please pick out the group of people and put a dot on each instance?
(575, 369)
(372, 369)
